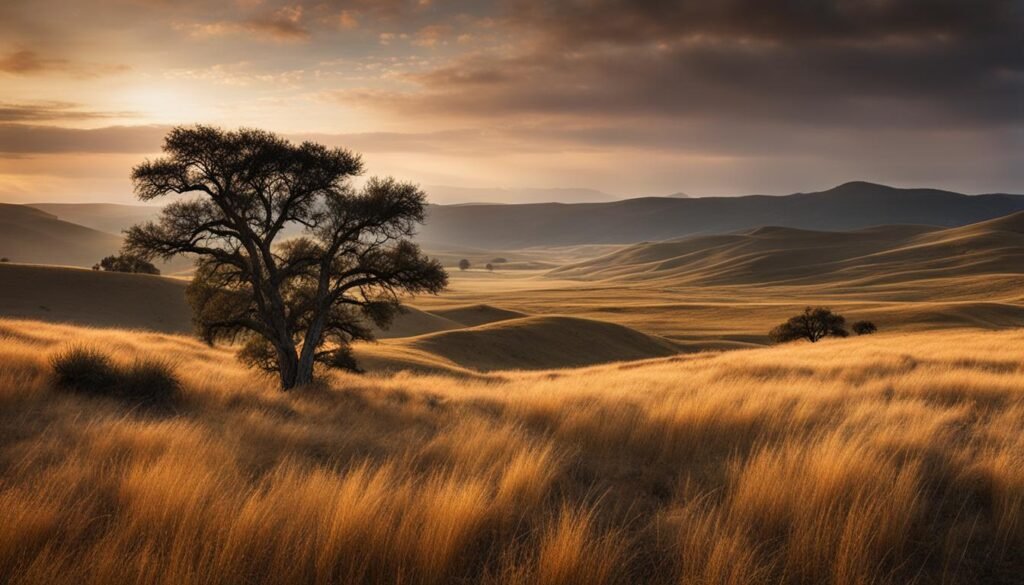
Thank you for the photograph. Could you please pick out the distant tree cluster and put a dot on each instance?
(815, 324)
(126, 263)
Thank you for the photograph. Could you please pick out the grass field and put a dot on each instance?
(896, 458)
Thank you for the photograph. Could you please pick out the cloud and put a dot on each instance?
(29, 62)
(52, 111)
(26, 62)
(819, 62)
(27, 139)
(638, 21)
(285, 24)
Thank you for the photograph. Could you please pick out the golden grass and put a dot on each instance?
(887, 459)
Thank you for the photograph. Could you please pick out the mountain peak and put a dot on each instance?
(859, 186)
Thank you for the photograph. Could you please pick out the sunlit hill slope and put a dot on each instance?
(885, 459)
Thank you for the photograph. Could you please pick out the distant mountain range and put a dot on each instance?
(80, 234)
(445, 195)
(848, 206)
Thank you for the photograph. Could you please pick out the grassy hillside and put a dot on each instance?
(32, 236)
(774, 255)
(88, 297)
(887, 459)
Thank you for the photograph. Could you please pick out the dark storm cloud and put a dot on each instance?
(838, 62)
(632, 21)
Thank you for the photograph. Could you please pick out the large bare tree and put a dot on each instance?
(291, 258)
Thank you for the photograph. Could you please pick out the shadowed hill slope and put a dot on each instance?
(849, 206)
(530, 343)
(33, 236)
(133, 301)
(89, 297)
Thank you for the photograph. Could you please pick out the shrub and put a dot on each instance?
(342, 359)
(489, 267)
(864, 328)
(812, 325)
(150, 381)
(5, 259)
(464, 264)
(82, 369)
(90, 371)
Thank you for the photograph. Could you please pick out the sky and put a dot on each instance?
(627, 97)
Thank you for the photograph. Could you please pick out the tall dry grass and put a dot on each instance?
(887, 459)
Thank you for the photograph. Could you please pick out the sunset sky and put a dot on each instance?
(640, 97)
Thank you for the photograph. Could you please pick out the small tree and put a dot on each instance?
(294, 302)
(464, 264)
(489, 267)
(812, 325)
(864, 327)
(126, 263)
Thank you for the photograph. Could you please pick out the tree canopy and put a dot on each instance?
(292, 259)
(812, 325)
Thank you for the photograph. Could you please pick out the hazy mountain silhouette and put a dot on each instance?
(848, 206)
(105, 217)
(32, 236)
(445, 195)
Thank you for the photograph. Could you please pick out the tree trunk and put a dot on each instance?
(304, 371)
(288, 366)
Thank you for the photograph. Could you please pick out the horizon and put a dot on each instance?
(603, 197)
(628, 99)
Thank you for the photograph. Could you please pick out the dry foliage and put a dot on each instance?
(880, 459)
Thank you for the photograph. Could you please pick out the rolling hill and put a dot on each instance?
(846, 207)
(89, 297)
(779, 255)
(30, 235)
(526, 343)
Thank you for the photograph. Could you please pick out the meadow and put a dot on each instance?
(893, 458)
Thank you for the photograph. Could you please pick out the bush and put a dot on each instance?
(151, 381)
(5, 259)
(812, 325)
(81, 369)
(489, 267)
(464, 264)
(90, 371)
(864, 328)
(342, 359)
(126, 263)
